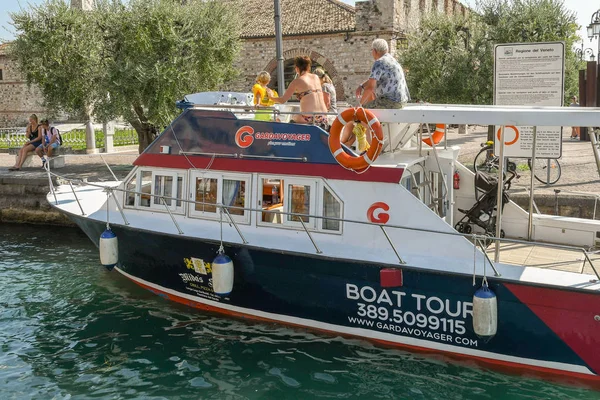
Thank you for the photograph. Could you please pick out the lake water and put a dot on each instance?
(71, 330)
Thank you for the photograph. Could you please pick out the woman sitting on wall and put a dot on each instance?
(34, 134)
(307, 89)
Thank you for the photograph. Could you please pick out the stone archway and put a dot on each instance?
(317, 58)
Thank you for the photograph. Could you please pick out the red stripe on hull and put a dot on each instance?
(565, 377)
(571, 315)
(330, 171)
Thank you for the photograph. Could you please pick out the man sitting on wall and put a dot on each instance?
(51, 141)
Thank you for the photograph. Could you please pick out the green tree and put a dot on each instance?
(445, 68)
(129, 59)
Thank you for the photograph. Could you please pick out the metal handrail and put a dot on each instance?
(118, 206)
(235, 225)
(310, 236)
(392, 244)
(171, 215)
(77, 199)
(472, 237)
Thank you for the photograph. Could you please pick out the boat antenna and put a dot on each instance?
(279, 47)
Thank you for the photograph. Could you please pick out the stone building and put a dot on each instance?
(335, 35)
(17, 99)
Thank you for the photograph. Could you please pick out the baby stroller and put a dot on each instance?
(483, 212)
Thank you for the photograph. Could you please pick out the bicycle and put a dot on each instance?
(547, 171)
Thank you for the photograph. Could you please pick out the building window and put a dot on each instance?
(1, 74)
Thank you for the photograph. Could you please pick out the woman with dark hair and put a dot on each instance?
(34, 134)
(307, 89)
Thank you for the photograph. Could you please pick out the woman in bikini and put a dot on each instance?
(307, 89)
(34, 134)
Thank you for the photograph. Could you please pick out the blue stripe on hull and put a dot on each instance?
(429, 306)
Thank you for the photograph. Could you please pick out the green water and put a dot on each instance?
(71, 330)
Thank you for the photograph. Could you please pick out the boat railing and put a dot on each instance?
(479, 240)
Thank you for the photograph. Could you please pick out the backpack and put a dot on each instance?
(60, 140)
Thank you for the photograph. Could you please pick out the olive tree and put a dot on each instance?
(129, 59)
(450, 59)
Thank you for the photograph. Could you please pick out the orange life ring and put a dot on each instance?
(437, 135)
(514, 128)
(360, 163)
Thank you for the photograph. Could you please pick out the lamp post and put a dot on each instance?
(584, 54)
(593, 29)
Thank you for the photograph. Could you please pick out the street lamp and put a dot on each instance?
(583, 54)
(593, 29)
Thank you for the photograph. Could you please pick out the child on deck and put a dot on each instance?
(261, 96)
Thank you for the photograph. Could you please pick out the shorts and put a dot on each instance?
(318, 120)
(384, 103)
(54, 145)
(36, 144)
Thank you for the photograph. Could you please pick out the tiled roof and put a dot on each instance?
(298, 17)
(3, 48)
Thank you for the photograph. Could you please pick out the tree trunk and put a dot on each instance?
(490, 135)
(146, 134)
(146, 131)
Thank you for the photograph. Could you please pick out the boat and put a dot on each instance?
(258, 219)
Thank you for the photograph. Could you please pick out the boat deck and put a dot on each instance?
(545, 257)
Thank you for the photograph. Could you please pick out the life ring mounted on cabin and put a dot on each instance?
(437, 135)
(360, 163)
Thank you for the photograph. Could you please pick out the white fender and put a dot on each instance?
(485, 312)
(109, 249)
(222, 275)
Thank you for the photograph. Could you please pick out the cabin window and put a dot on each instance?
(299, 202)
(332, 207)
(163, 186)
(146, 188)
(131, 187)
(179, 195)
(290, 195)
(234, 195)
(206, 195)
(210, 190)
(152, 186)
(272, 200)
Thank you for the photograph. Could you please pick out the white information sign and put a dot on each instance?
(529, 74)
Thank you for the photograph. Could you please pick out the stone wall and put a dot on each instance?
(17, 99)
(346, 57)
(24, 201)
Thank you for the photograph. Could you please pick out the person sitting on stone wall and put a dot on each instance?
(307, 89)
(34, 134)
(51, 141)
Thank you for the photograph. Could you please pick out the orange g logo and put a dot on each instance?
(243, 137)
(381, 217)
(514, 128)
